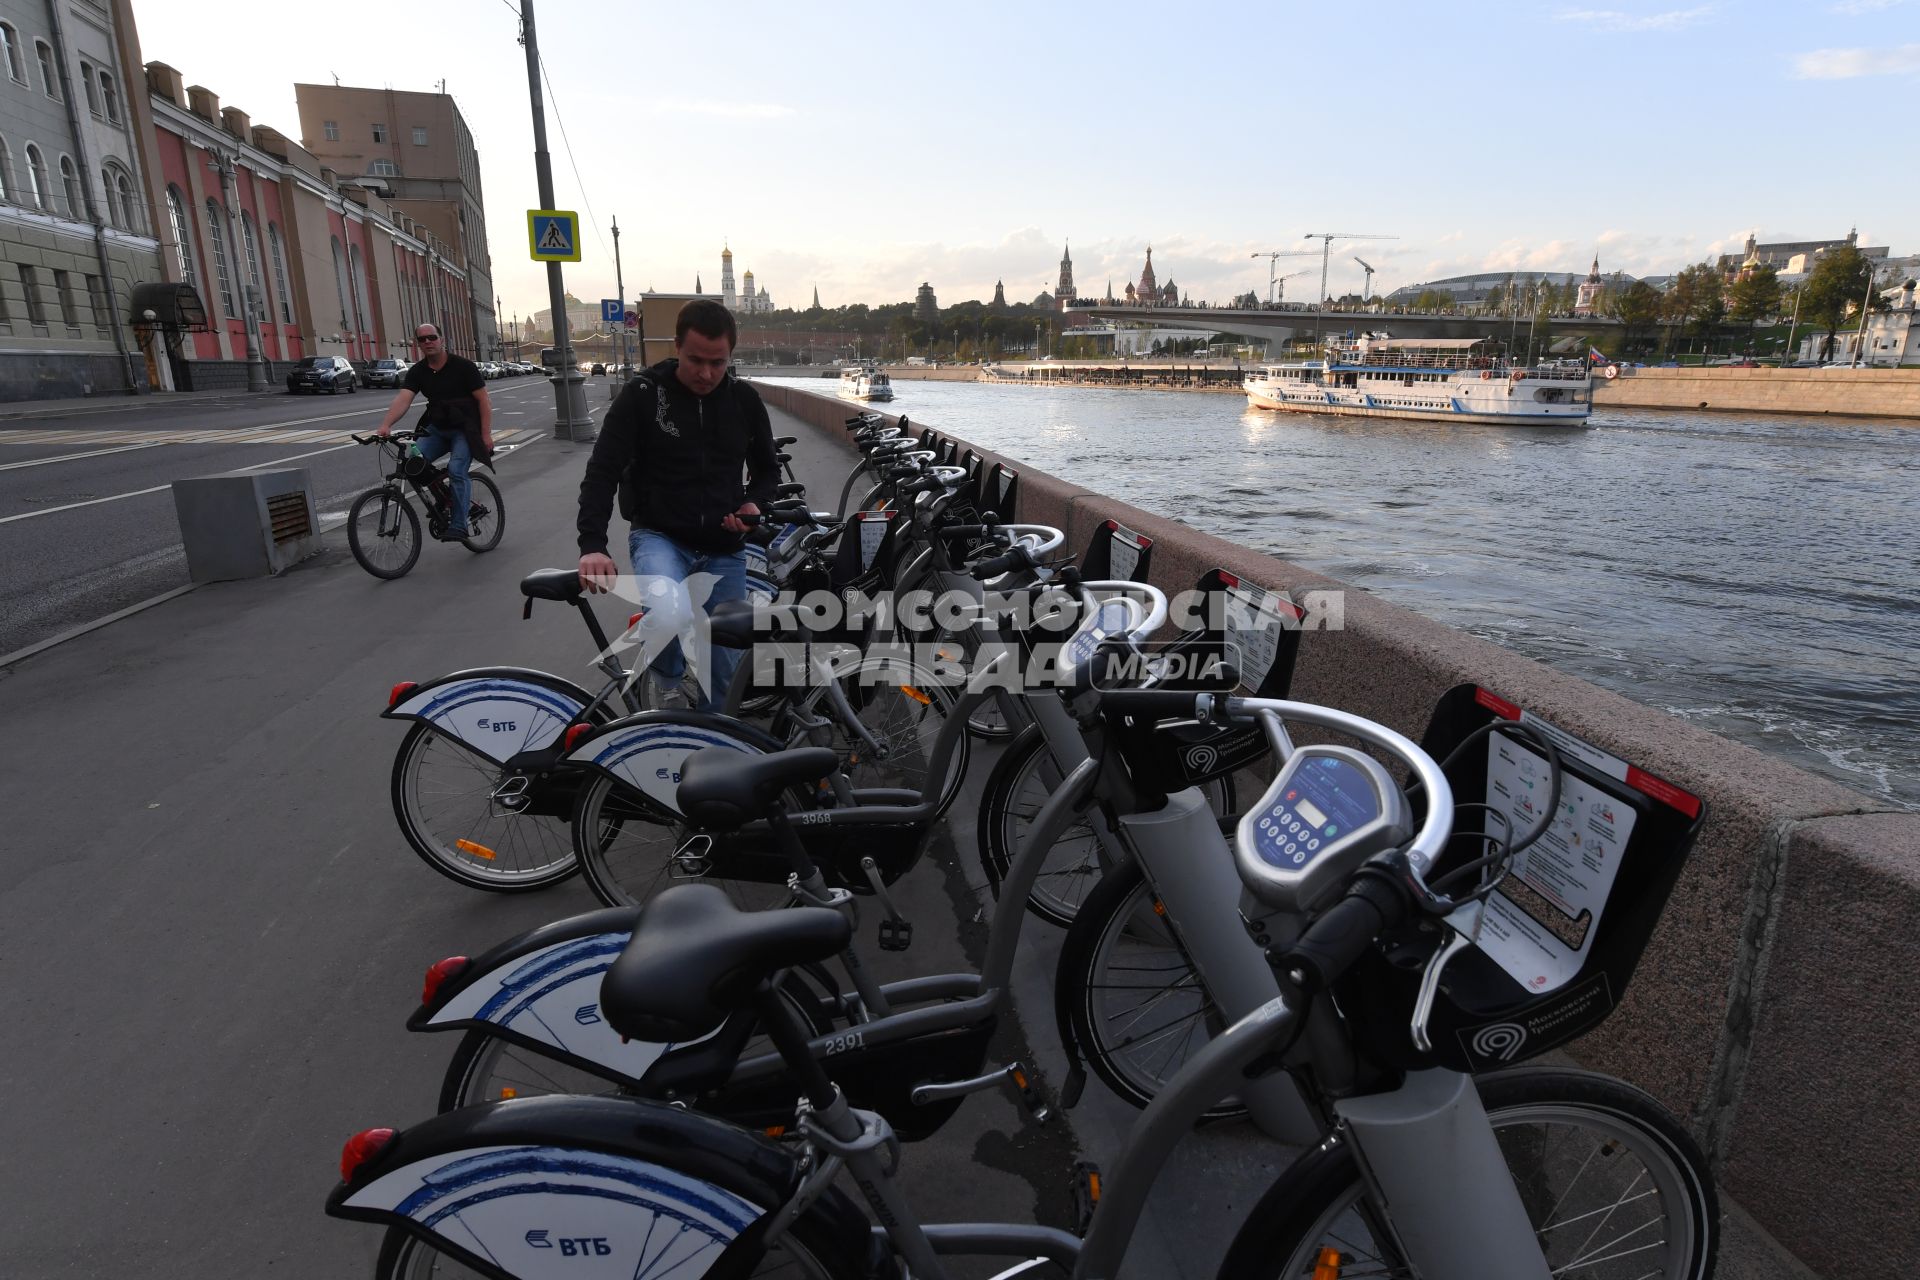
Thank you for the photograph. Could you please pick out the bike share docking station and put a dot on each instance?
(246, 524)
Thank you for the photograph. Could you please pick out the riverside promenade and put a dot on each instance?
(1774, 1002)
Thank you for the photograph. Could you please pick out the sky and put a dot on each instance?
(860, 149)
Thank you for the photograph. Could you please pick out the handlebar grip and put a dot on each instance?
(1153, 704)
(1018, 558)
(1335, 941)
(925, 484)
(963, 531)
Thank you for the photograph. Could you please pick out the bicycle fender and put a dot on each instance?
(571, 1186)
(498, 712)
(646, 751)
(541, 991)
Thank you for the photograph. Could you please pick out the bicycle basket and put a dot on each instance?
(1559, 939)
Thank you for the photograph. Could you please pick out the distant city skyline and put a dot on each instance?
(1529, 140)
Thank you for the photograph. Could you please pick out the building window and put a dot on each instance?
(182, 235)
(332, 129)
(6, 172)
(97, 300)
(30, 286)
(419, 136)
(10, 41)
(37, 175)
(279, 273)
(340, 284)
(112, 210)
(136, 221)
(93, 90)
(251, 247)
(379, 132)
(383, 169)
(220, 258)
(70, 187)
(110, 94)
(63, 289)
(49, 78)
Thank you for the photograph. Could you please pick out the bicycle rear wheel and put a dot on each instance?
(1616, 1190)
(486, 516)
(450, 805)
(904, 707)
(804, 1253)
(383, 532)
(629, 853)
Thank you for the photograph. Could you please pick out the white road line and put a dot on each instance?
(161, 488)
(70, 457)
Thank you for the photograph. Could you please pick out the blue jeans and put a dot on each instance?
(432, 443)
(659, 557)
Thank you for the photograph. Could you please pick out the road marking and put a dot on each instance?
(70, 457)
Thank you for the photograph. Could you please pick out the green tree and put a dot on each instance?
(1753, 297)
(1637, 308)
(1837, 284)
(1432, 300)
(1697, 300)
(1495, 301)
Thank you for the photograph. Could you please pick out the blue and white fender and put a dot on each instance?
(542, 990)
(585, 1187)
(646, 751)
(499, 712)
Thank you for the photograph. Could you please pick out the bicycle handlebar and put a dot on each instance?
(1341, 934)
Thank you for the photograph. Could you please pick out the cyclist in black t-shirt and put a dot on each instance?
(458, 420)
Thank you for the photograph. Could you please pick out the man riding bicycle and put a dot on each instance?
(458, 420)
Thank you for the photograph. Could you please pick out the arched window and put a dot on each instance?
(49, 78)
(130, 207)
(110, 94)
(340, 283)
(220, 257)
(37, 176)
(279, 273)
(92, 86)
(112, 209)
(182, 235)
(359, 270)
(250, 246)
(10, 46)
(6, 173)
(70, 187)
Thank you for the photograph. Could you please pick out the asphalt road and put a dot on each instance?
(87, 522)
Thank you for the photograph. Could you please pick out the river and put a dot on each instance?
(1754, 575)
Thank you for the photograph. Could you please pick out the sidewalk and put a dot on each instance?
(72, 406)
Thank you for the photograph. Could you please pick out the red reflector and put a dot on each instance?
(400, 691)
(574, 735)
(439, 973)
(634, 620)
(1496, 704)
(362, 1147)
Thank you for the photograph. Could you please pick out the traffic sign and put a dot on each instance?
(633, 319)
(611, 311)
(553, 235)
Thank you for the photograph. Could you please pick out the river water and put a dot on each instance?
(1755, 575)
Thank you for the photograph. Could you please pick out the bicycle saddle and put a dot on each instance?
(552, 584)
(695, 958)
(723, 790)
(792, 487)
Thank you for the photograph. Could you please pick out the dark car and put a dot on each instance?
(599, 369)
(331, 374)
(384, 373)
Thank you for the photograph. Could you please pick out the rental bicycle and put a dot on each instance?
(383, 529)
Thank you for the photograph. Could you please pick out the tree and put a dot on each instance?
(1837, 283)
(1495, 300)
(1697, 300)
(1637, 308)
(1753, 296)
(1432, 300)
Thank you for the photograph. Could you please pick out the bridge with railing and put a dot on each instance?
(1280, 325)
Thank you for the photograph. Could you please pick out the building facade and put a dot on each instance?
(416, 151)
(76, 228)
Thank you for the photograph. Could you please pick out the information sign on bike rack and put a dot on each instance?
(873, 530)
(1255, 618)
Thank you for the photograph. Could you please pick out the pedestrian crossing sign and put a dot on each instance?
(553, 235)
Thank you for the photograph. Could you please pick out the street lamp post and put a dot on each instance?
(223, 162)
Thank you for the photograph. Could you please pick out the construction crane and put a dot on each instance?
(1282, 281)
(1366, 290)
(1326, 239)
(1273, 266)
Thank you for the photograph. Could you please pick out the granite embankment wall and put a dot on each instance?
(1856, 393)
(1775, 1009)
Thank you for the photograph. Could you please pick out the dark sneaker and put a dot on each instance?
(455, 535)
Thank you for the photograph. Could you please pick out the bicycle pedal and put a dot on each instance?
(896, 935)
(1086, 1194)
(1030, 1095)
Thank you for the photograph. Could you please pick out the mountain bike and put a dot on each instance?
(383, 529)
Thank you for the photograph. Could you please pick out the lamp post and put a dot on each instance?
(1786, 354)
(222, 162)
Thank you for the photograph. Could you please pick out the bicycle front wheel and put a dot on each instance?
(383, 532)
(486, 516)
(1136, 1005)
(1615, 1188)
(461, 813)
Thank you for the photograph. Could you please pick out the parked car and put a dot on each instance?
(330, 374)
(384, 373)
(599, 369)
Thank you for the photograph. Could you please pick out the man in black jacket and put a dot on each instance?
(674, 445)
(458, 420)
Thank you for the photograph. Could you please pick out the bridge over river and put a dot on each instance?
(1279, 326)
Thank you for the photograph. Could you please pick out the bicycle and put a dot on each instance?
(383, 530)
(1423, 1170)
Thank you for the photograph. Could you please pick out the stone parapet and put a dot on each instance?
(1775, 1005)
(1856, 393)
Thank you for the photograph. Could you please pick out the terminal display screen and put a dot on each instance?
(1325, 801)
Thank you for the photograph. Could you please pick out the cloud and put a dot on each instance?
(722, 107)
(1846, 64)
(1615, 20)
(1856, 8)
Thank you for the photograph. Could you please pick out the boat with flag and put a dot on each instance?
(1438, 379)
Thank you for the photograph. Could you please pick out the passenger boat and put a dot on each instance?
(865, 382)
(1439, 379)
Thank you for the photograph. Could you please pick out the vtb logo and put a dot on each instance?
(571, 1246)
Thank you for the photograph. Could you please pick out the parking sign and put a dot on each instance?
(611, 312)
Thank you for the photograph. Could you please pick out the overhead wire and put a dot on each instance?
(553, 101)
